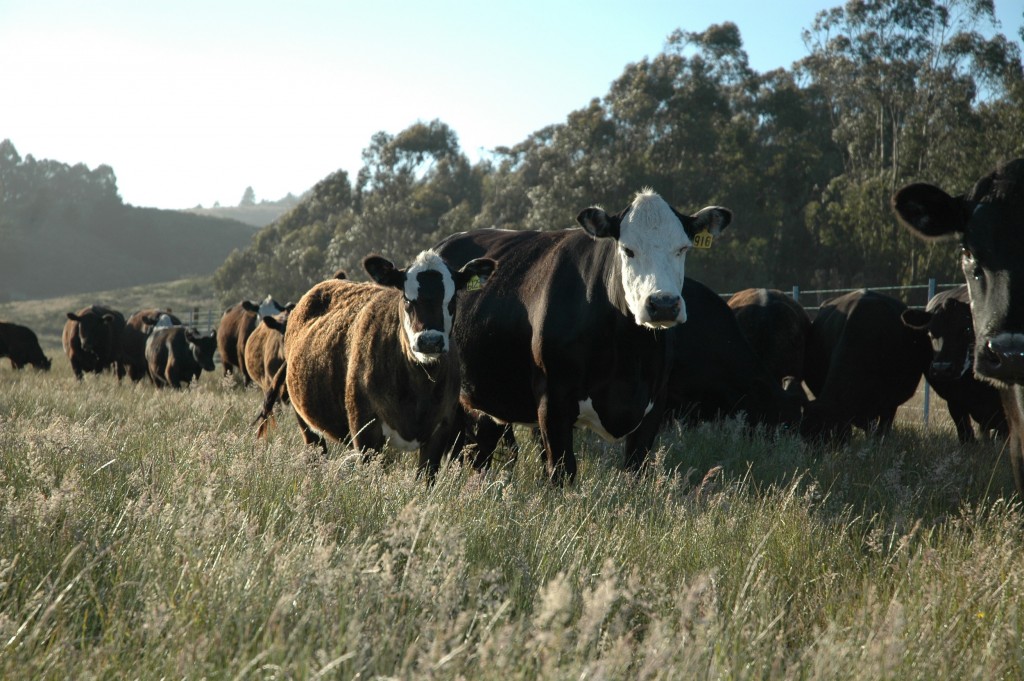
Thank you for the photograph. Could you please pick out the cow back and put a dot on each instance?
(776, 327)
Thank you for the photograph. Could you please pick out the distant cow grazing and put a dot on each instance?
(861, 364)
(375, 362)
(947, 319)
(177, 354)
(236, 325)
(92, 340)
(776, 327)
(989, 222)
(20, 344)
(264, 350)
(136, 333)
(715, 371)
(572, 328)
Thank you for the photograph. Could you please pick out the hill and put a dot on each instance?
(256, 214)
(65, 230)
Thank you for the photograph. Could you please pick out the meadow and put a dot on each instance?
(147, 534)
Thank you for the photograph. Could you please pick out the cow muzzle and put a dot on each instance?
(1002, 358)
(947, 371)
(663, 309)
(430, 344)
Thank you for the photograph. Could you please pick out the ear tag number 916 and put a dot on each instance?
(703, 239)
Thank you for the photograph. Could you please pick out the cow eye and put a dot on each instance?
(629, 253)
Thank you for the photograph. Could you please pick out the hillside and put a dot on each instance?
(65, 230)
(256, 214)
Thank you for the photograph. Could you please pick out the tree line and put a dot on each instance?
(890, 92)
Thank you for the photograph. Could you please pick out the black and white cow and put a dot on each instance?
(571, 329)
(989, 222)
(947, 319)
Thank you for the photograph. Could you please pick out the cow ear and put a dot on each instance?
(929, 212)
(599, 224)
(250, 306)
(474, 273)
(272, 323)
(383, 271)
(917, 320)
(713, 218)
(339, 274)
(289, 307)
(73, 317)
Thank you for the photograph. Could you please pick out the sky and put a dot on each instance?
(192, 101)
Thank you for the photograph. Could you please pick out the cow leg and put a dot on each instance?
(640, 441)
(556, 426)
(962, 421)
(445, 437)
(310, 436)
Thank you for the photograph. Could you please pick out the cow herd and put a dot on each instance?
(599, 327)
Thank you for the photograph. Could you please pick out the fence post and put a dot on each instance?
(927, 387)
(796, 292)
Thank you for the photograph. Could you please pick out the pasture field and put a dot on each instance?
(148, 535)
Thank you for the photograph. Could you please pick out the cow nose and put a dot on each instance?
(1003, 358)
(430, 343)
(663, 307)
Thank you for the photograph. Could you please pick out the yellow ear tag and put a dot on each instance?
(702, 239)
(474, 283)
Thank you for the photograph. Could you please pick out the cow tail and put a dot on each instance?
(265, 419)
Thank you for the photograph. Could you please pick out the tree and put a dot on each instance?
(248, 198)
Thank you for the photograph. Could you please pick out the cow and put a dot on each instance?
(776, 327)
(177, 354)
(236, 325)
(989, 222)
(133, 339)
(20, 345)
(376, 361)
(716, 370)
(861, 364)
(92, 340)
(264, 350)
(572, 328)
(947, 319)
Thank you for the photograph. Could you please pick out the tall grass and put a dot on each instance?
(146, 534)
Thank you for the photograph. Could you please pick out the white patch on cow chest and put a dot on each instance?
(396, 440)
(591, 419)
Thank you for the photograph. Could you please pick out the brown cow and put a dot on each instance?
(177, 354)
(133, 341)
(776, 327)
(92, 340)
(264, 350)
(20, 344)
(236, 325)
(376, 362)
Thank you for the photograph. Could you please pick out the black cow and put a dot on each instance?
(571, 329)
(989, 221)
(776, 327)
(861, 364)
(177, 354)
(92, 340)
(947, 319)
(715, 370)
(20, 344)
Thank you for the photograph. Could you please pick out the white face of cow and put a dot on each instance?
(653, 242)
(428, 297)
(429, 294)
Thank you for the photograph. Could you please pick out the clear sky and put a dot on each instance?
(191, 101)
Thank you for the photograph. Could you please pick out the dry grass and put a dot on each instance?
(146, 534)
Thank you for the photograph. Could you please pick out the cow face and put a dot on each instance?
(428, 289)
(990, 224)
(653, 241)
(93, 331)
(951, 333)
(202, 348)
